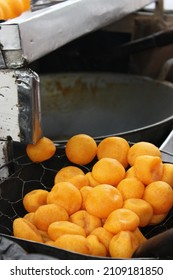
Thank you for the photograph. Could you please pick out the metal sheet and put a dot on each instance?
(10, 38)
(41, 32)
(29, 106)
(2, 62)
(3, 161)
(19, 105)
(40, 4)
(8, 106)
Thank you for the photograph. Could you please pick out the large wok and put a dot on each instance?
(100, 104)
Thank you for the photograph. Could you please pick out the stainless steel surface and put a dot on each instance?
(10, 37)
(41, 32)
(2, 62)
(3, 160)
(8, 105)
(29, 106)
(19, 105)
(40, 4)
(11, 50)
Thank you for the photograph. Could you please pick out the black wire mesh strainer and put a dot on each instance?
(26, 176)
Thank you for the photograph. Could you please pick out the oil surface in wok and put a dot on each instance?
(103, 104)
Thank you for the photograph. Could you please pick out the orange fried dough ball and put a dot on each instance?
(50, 243)
(91, 180)
(103, 236)
(26, 4)
(29, 217)
(2, 16)
(114, 147)
(160, 195)
(139, 235)
(102, 200)
(123, 245)
(86, 220)
(73, 242)
(148, 169)
(108, 171)
(142, 148)
(96, 247)
(22, 228)
(16, 6)
(130, 172)
(66, 195)
(43, 150)
(79, 181)
(7, 9)
(57, 229)
(121, 219)
(84, 192)
(34, 199)
(158, 218)
(168, 173)
(47, 214)
(81, 149)
(142, 208)
(66, 173)
(44, 235)
(131, 188)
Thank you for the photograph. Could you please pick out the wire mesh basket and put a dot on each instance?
(26, 176)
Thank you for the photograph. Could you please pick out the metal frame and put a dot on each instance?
(35, 34)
